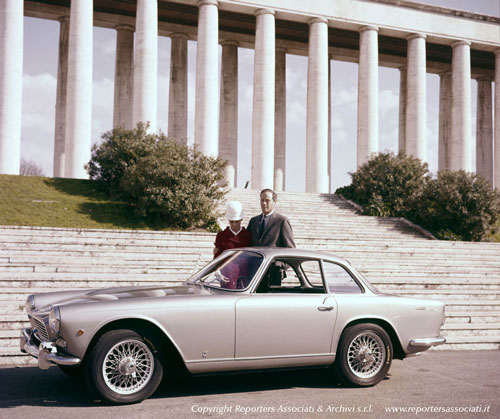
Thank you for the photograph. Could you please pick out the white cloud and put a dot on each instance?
(102, 107)
(38, 120)
(388, 102)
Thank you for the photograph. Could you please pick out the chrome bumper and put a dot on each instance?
(46, 352)
(427, 342)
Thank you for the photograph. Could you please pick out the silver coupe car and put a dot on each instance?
(249, 309)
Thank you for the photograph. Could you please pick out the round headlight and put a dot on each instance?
(30, 303)
(55, 320)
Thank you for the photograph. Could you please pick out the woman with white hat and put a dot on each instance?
(235, 235)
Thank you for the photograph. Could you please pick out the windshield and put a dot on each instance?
(233, 270)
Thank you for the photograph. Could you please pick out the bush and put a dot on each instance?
(458, 206)
(387, 184)
(119, 150)
(454, 206)
(167, 183)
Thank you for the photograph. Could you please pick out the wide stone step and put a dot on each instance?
(456, 295)
(462, 330)
(492, 316)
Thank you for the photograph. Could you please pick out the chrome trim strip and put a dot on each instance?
(427, 341)
(259, 358)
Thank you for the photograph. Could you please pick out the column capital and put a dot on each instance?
(228, 42)
(63, 18)
(444, 73)
(403, 68)
(368, 28)
(461, 42)
(484, 78)
(178, 35)
(416, 36)
(497, 51)
(317, 20)
(122, 27)
(207, 3)
(265, 12)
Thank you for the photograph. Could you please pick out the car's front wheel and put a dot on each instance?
(364, 355)
(123, 367)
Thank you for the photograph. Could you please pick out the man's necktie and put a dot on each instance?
(262, 226)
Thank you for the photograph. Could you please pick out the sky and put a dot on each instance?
(41, 38)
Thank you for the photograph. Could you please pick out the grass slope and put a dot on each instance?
(55, 202)
(71, 203)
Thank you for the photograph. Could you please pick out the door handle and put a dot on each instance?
(325, 308)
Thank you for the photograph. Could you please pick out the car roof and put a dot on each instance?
(271, 252)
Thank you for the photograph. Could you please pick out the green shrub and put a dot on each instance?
(119, 150)
(167, 183)
(387, 184)
(458, 206)
(454, 206)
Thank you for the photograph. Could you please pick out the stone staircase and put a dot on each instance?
(394, 255)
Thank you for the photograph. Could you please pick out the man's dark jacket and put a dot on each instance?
(278, 231)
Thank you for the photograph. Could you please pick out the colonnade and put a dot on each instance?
(215, 128)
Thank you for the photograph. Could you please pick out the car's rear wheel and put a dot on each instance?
(364, 355)
(123, 367)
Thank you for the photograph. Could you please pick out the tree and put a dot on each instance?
(30, 168)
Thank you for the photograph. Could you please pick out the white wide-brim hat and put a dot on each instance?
(234, 211)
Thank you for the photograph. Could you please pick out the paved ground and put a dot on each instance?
(438, 384)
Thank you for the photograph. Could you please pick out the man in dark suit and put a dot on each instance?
(270, 228)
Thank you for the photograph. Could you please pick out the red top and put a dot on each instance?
(228, 240)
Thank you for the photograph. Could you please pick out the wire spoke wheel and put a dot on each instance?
(366, 355)
(128, 367)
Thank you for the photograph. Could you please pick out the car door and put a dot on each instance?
(287, 321)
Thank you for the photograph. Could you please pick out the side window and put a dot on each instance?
(280, 277)
(312, 271)
(338, 279)
(290, 278)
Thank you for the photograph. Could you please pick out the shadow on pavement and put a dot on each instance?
(30, 386)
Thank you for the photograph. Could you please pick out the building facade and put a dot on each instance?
(415, 38)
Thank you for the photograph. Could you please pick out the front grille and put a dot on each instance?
(41, 329)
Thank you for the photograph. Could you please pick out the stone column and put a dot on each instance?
(178, 93)
(444, 141)
(280, 121)
(124, 77)
(146, 64)
(317, 108)
(62, 85)
(484, 130)
(402, 111)
(461, 156)
(496, 159)
(79, 91)
(416, 118)
(207, 79)
(11, 84)
(228, 115)
(263, 101)
(329, 125)
(367, 94)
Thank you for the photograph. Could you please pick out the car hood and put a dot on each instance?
(46, 300)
